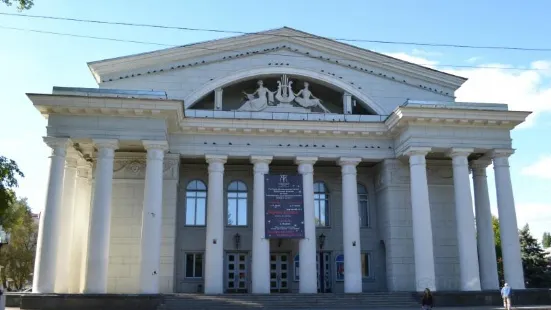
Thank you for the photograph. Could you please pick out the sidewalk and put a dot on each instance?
(445, 308)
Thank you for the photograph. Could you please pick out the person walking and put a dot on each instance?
(506, 295)
(426, 302)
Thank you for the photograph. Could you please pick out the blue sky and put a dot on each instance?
(32, 62)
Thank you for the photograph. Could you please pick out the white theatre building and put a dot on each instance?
(157, 176)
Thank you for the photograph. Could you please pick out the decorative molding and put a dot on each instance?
(246, 43)
(225, 80)
(133, 166)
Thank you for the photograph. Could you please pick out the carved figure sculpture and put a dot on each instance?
(308, 100)
(285, 92)
(260, 103)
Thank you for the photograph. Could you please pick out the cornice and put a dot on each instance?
(49, 104)
(405, 116)
(285, 128)
(233, 45)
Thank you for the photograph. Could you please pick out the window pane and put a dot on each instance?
(190, 210)
(198, 265)
(232, 186)
(242, 212)
(365, 265)
(322, 213)
(241, 187)
(361, 189)
(189, 265)
(201, 210)
(362, 204)
(232, 211)
(201, 194)
(232, 195)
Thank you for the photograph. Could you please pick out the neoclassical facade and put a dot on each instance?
(157, 176)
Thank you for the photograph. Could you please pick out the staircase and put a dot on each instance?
(289, 301)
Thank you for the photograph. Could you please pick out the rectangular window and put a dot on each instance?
(237, 208)
(364, 210)
(194, 265)
(196, 205)
(321, 209)
(366, 267)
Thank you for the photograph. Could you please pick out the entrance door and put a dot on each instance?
(323, 262)
(237, 272)
(279, 272)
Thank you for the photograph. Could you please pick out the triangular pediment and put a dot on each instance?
(263, 42)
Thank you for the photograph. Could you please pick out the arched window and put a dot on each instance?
(363, 205)
(339, 267)
(196, 203)
(237, 204)
(321, 204)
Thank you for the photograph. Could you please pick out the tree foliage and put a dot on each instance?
(8, 181)
(537, 273)
(21, 4)
(546, 240)
(17, 257)
(499, 257)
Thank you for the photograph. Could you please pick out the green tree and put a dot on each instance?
(8, 181)
(21, 4)
(537, 273)
(18, 256)
(499, 257)
(546, 240)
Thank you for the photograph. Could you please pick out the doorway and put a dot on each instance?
(323, 262)
(237, 271)
(279, 272)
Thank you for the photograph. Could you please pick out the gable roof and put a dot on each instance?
(231, 44)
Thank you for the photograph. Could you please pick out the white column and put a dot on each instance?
(422, 224)
(351, 226)
(214, 249)
(466, 234)
(100, 219)
(45, 261)
(87, 208)
(510, 244)
(307, 246)
(218, 99)
(485, 232)
(261, 245)
(65, 221)
(80, 225)
(347, 103)
(152, 218)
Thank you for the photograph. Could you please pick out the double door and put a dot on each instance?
(237, 272)
(323, 262)
(279, 272)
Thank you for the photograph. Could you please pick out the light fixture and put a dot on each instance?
(237, 240)
(321, 240)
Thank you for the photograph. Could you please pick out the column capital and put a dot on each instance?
(213, 159)
(417, 150)
(348, 161)
(84, 168)
(71, 160)
(478, 166)
(305, 160)
(459, 152)
(59, 145)
(112, 144)
(261, 159)
(155, 145)
(500, 153)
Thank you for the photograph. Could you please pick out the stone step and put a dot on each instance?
(289, 301)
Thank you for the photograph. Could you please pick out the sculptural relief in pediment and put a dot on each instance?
(283, 99)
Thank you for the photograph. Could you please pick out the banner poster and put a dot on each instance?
(284, 206)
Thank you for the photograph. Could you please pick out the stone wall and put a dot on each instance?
(394, 205)
(126, 224)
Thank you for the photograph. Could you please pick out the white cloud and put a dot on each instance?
(473, 59)
(522, 90)
(536, 215)
(420, 52)
(540, 169)
(414, 59)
